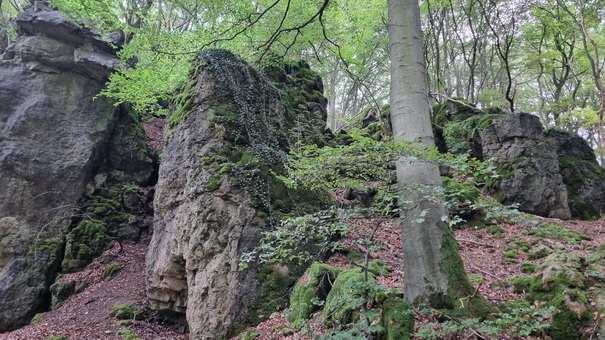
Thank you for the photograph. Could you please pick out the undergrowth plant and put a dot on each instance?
(362, 161)
(518, 322)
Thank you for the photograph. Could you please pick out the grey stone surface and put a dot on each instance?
(582, 174)
(528, 165)
(54, 137)
(200, 234)
(52, 42)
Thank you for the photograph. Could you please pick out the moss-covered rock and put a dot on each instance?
(232, 131)
(110, 215)
(275, 284)
(373, 122)
(582, 174)
(301, 92)
(310, 289)
(552, 174)
(123, 311)
(347, 294)
(397, 319)
(559, 281)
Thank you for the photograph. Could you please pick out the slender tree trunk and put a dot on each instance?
(433, 270)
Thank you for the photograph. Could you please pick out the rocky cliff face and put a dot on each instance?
(54, 139)
(216, 192)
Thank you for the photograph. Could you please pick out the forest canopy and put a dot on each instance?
(539, 56)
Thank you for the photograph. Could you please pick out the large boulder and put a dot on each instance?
(550, 173)
(203, 220)
(582, 174)
(528, 165)
(228, 134)
(54, 138)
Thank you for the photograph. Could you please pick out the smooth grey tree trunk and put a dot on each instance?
(426, 269)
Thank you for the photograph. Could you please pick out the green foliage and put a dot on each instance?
(122, 311)
(365, 159)
(461, 197)
(299, 239)
(518, 322)
(127, 334)
(461, 134)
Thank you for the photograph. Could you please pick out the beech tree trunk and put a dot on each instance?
(433, 270)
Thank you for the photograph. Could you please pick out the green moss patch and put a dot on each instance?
(94, 233)
(123, 311)
(577, 174)
(37, 318)
(111, 270)
(528, 268)
(347, 294)
(127, 334)
(397, 319)
(311, 290)
(459, 286)
(559, 281)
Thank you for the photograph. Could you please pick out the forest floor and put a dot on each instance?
(492, 258)
(486, 254)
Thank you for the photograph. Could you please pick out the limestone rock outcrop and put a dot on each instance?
(54, 139)
(216, 192)
(582, 174)
(528, 165)
(203, 223)
(50, 43)
(550, 173)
